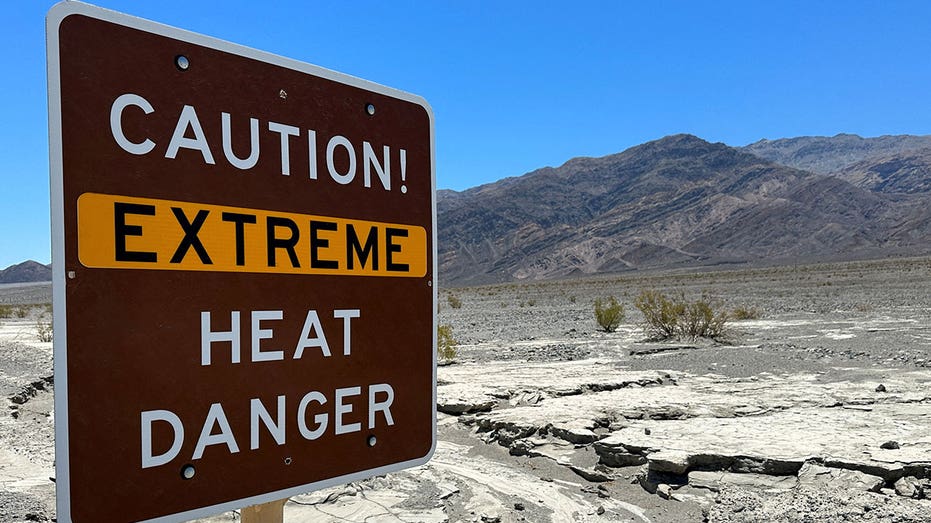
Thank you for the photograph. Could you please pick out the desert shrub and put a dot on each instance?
(701, 320)
(666, 317)
(608, 313)
(445, 342)
(454, 301)
(6, 311)
(22, 311)
(746, 313)
(44, 330)
(660, 314)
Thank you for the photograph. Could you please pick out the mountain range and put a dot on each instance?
(28, 271)
(681, 201)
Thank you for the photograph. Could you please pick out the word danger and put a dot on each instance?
(314, 412)
(216, 429)
(342, 158)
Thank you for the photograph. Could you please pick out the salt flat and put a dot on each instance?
(818, 410)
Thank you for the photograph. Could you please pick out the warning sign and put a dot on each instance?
(244, 250)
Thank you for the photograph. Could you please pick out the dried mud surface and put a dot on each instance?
(819, 410)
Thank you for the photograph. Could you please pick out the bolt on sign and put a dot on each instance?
(245, 256)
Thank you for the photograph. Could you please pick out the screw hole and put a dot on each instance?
(187, 471)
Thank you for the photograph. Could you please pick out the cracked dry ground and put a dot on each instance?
(820, 410)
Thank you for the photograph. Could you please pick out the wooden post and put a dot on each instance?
(271, 512)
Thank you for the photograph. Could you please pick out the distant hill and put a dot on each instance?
(827, 154)
(675, 202)
(28, 271)
(907, 172)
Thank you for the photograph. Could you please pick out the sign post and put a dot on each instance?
(271, 512)
(244, 254)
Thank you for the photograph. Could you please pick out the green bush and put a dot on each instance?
(454, 301)
(660, 314)
(745, 313)
(666, 317)
(701, 320)
(445, 342)
(44, 330)
(608, 313)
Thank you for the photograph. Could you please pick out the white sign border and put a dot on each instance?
(54, 18)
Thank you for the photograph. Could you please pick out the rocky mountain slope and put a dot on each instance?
(908, 172)
(28, 271)
(677, 201)
(827, 154)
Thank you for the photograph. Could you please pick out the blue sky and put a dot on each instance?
(520, 85)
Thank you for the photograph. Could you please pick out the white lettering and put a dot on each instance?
(286, 132)
(116, 123)
(312, 153)
(370, 161)
(347, 315)
(258, 412)
(350, 174)
(150, 416)
(240, 163)
(342, 408)
(259, 334)
(208, 337)
(179, 139)
(380, 406)
(319, 419)
(215, 416)
(312, 324)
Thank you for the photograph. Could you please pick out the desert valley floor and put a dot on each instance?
(817, 410)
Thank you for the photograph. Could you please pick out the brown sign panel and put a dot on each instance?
(244, 254)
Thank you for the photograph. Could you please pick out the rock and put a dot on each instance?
(816, 476)
(457, 408)
(521, 447)
(663, 490)
(447, 490)
(890, 445)
(591, 474)
(615, 454)
(519, 506)
(715, 481)
(601, 510)
(526, 397)
(650, 480)
(671, 461)
(880, 388)
(491, 519)
(646, 430)
(581, 436)
(912, 487)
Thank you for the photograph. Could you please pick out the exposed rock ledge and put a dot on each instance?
(772, 431)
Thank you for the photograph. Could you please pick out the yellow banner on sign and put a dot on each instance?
(123, 232)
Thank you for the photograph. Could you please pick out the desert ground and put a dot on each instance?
(819, 409)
